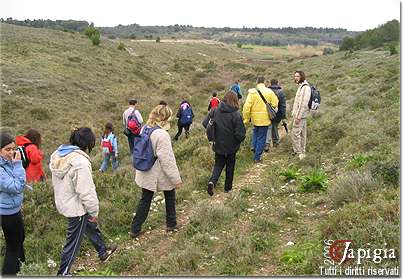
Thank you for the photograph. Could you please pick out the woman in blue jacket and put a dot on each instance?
(12, 184)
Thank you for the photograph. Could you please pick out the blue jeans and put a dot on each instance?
(259, 140)
(105, 162)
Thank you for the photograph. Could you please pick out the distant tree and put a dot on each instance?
(95, 38)
(392, 48)
(347, 44)
(239, 45)
(158, 40)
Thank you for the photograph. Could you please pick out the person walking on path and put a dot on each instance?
(255, 110)
(236, 88)
(109, 145)
(31, 142)
(76, 197)
(12, 186)
(185, 118)
(130, 112)
(272, 134)
(214, 101)
(229, 134)
(300, 112)
(163, 175)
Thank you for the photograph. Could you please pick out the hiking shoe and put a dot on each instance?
(172, 229)
(210, 188)
(301, 156)
(227, 191)
(258, 161)
(275, 144)
(266, 148)
(109, 251)
(136, 234)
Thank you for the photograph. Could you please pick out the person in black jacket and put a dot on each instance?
(272, 134)
(229, 133)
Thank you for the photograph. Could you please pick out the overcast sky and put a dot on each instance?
(354, 15)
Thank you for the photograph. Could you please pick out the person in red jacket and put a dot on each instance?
(32, 142)
(213, 102)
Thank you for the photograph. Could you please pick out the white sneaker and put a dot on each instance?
(301, 156)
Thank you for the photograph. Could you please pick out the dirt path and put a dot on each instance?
(252, 179)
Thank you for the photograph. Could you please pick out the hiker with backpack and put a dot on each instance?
(31, 155)
(260, 107)
(300, 112)
(185, 118)
(109, 146)
(76, 197)
(236, 88)
(12, 186)
(229, 133)
(132, 121)
(156, 169)
(214, 101)
(272, 134)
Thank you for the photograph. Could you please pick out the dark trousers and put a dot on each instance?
(180, 129)
(259, 140)
(144, 207)
(14, 234)
(221, 161)
(130, 139)
(272, 134)
(77, 227)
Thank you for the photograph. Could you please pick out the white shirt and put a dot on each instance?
(129, 111)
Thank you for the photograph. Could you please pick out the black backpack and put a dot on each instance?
(24, 157)
(314, 101)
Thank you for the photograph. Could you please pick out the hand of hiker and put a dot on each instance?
(92, 219)
(177, 186)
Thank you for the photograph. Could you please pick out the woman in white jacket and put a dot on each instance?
(76, 197)
(164, 174)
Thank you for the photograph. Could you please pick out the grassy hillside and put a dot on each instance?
(54, 81)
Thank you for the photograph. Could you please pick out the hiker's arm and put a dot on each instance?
(274, 100)
(115, 145)
(139, 117)
(209, 106)
(303, 105)
(85, 189)
(124, 120)
(13, 184)
(240, 131)
(246, 109)
(178, 114)
(166, 158)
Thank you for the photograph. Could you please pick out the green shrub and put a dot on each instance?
(210, 67)
(169, 91)
(262, 243)
(389, 172)
(239, 45)
(121, 46)
(391, 48)
(95, 39)
(359, 160)
(316, 180)
(158, 40)
(292, 256)
(291, 173)
(351, 188)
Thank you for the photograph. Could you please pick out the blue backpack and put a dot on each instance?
(186, 116)
(143, 153)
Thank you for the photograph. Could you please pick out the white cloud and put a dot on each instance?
(354, 15)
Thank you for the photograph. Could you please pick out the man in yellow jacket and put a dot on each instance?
(255, 110)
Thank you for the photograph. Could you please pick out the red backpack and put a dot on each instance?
(106, 145)
(214, 102)
(133, 124)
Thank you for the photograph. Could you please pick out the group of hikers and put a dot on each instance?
(153, 160)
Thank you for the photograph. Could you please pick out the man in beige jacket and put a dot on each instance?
(300, 112)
